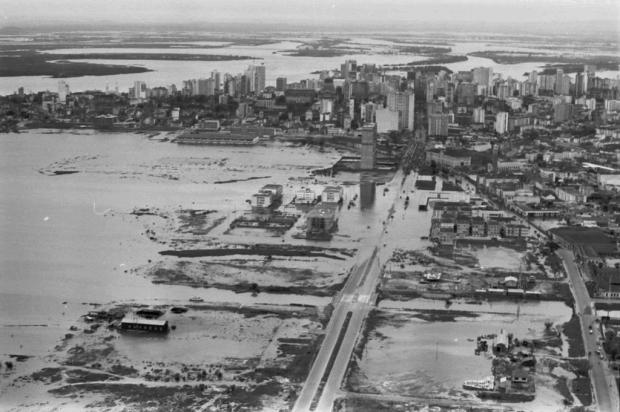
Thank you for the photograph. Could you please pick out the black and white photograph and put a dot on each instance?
(310, 205)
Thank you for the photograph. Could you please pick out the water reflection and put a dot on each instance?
(367, 191)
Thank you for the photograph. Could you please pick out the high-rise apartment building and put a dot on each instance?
(139, 90)
(256, 78)
(217, 81)
(402, 103)
(483, 75)
(368, 149)
(501, 122)
(281, 84)
(387, 120)
(478, 115)
(438, 124)
(63, 91)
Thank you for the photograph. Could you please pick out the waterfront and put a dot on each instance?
(58, 246)
(278, 63)
(98, 226)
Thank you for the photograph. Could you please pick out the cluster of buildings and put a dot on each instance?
(474, 219)
(321, 217)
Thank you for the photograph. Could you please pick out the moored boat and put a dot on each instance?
(486, 384)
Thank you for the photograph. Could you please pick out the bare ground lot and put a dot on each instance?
(253, 274)
(463, 271)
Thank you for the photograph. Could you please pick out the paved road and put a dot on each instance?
(356, 297)
(605, 389)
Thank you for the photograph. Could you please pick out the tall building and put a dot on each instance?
(589, 71)
(403, 103)
(612, 105)
(348, 68)
(483, 75)
(63, 91)
(139, 90)
(466, 93)
(367, 112)
(438, 124)
(281, 84)
(501, 122)
(580, 87)
(546, 82)
(368, 150)
(528, 88)
(327, 107)
(559, 81)
(206, 87)
(217, 81)
(256, 78)
(387, 120)
(478, 115)
(503, 91)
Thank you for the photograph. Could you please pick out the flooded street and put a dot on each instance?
(437, 343)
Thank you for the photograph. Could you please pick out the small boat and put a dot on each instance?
(196, 299)
(486, 384)
(178, 309)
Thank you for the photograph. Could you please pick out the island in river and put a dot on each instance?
(32, 63)
(573, 63)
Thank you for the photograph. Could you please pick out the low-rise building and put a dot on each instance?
(133, 322)
(305, 195)
(332, 194)
(449, 158)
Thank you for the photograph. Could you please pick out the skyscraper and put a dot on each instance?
(348, 68)
(483, 75)
(139, 89)
(559, 81)
(215, 75)
(478, 115)
(438, 124)
(63, 91)
(501, 122)
(403, 103)
(386, 120)
(260, 78)
(281, 84)
(256, 78)
(368, 150)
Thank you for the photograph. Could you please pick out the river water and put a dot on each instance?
(273, 56)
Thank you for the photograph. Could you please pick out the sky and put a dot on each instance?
(307, 12)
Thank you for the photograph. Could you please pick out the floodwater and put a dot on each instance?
(68, 240)
(278, 64)
(438, 355)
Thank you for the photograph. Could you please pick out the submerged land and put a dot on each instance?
(281, 262)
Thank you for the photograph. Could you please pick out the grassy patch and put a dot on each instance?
(82, 376)
(582, 390)
(562, 386)
(48, 375)
(572, 330)
(440, 315)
